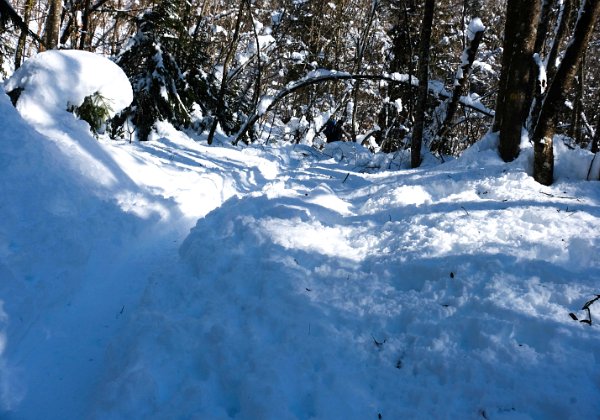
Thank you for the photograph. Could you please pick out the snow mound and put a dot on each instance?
(46, 89)
(441, 293)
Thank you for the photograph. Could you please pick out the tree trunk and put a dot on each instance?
(595, 147)
(543, 164)
(561, 34)
(460, 83)
(20, 51)
(423, 76)
(516, 84)
(361, 44)
(596, 141)
(576, 129)
(542, 30)
(52, 29)
(550, 62)
(85, 40)
(228, 57)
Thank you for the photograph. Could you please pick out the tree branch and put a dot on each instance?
(313, 78)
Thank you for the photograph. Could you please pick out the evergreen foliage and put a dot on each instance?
(95, 110)
(153, 62)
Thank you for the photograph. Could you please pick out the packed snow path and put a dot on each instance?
(306, 289)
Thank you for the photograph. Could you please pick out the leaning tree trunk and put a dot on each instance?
(516, 84)
(542, 30)
(423, 76)
(562, 26)
(577, 114)
(20, 52)
(564, 19)
(475, 35)
(543, 163)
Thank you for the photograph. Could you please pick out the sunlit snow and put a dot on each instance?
(170, 279)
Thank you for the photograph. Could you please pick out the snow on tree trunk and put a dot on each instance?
(543, 165)
(512, 106)
(475, 34)
(423, 75)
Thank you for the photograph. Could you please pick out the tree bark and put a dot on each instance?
(516, 84)
(226, 63)
(423, 76)
(85, 40)
(576, 128)
(543, 164)
(361, 45)
(595, 148)
(561, 34)
(52, 28)
(542, 30)
(564, 16)
(460, 83)
(20, 51)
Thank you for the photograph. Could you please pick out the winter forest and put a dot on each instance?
(389, 75)
(299, 209)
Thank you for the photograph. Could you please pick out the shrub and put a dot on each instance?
(95, 110)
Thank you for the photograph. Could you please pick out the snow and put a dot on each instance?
(541, 77)
(169, 279)
(46, 90)
(475, 25)
(264, 104)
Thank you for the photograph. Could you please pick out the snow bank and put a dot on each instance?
(53, 80)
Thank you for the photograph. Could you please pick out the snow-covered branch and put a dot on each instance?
(320, 76)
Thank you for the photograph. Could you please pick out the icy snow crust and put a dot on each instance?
(306, 288)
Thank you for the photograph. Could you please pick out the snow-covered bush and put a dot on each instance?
(52, 82)
(153, 62)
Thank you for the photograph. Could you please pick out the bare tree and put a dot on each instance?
(24, 32)
(423, 76)
(228, 57)
(475, 35)
(52, 28)
(514, 91)
(543, 166)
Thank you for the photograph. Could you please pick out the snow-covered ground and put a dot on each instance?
(172, 280)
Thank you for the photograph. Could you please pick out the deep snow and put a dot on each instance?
(308, 287)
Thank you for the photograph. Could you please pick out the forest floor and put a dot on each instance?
(170, 279)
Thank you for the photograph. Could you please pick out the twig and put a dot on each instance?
(586, 307)
(560, 196)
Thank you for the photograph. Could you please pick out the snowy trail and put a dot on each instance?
(89, 248)
(329, 295)
(306, 289)
(76, 330)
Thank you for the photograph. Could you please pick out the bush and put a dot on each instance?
(95, 110)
